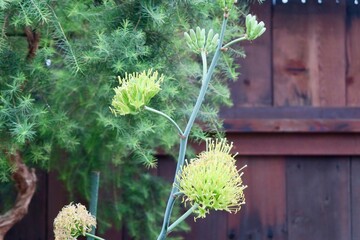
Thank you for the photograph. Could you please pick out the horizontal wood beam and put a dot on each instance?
(319, 144)
(294, 120)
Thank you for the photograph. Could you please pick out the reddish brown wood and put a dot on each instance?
(213, 227)
(294, 119)
(292, 125)
(253, 86)
(355, 197)
(309, 54)
(318, 199)
(263, 216)
(296, 144)
(353, 59)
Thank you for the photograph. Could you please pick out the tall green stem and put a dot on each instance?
(95, 177)
(184, 139)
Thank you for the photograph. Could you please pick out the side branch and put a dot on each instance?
(25, 180)
(33, 39)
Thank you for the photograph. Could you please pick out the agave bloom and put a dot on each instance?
(135, 91)
(212, 180)
(73, 221)
(254, 29)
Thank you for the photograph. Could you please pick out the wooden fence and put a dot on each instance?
(295, 123)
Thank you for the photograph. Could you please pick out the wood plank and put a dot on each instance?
(309, 54)
(213, 227)
(253, 86)
(294, 119)
(295, 144)
(297, 113)
(355, 197)
(353, 56)
(263, 216)
(318, 198)
(292, 125)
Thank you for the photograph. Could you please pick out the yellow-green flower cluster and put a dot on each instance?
(254, 29)
(135, 91)
(73, 221)
(212, 180)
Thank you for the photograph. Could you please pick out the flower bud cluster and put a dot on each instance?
(135, 91)
(254, 29)
(73, 221)
(212, 180)
(198, 41)
(226, 4)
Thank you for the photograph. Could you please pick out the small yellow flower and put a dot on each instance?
(212, 180)
(73, 221)
(135, 91)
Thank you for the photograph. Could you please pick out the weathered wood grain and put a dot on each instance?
(318, 198)
(263, 216)
(353, 57)
(295, 119)
(253, 86)
(355, 197)
(309, 54)
(329, 144)
(292, 125)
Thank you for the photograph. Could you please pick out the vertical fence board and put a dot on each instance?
(309, 54)
(355, 198)
(318, 198)
(353, 57)
(264, 214)
(253, 86)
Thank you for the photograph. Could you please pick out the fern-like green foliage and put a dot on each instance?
(54, 108)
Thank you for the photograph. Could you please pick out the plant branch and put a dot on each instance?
(167, 117)
(183, 217)
(235, 41)
(93, 236)
(25, 180)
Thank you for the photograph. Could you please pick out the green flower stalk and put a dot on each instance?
(254, 29)
(135, 91)
(73, 221)
(212, 180)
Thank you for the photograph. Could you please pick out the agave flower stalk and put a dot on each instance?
(184, 139)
